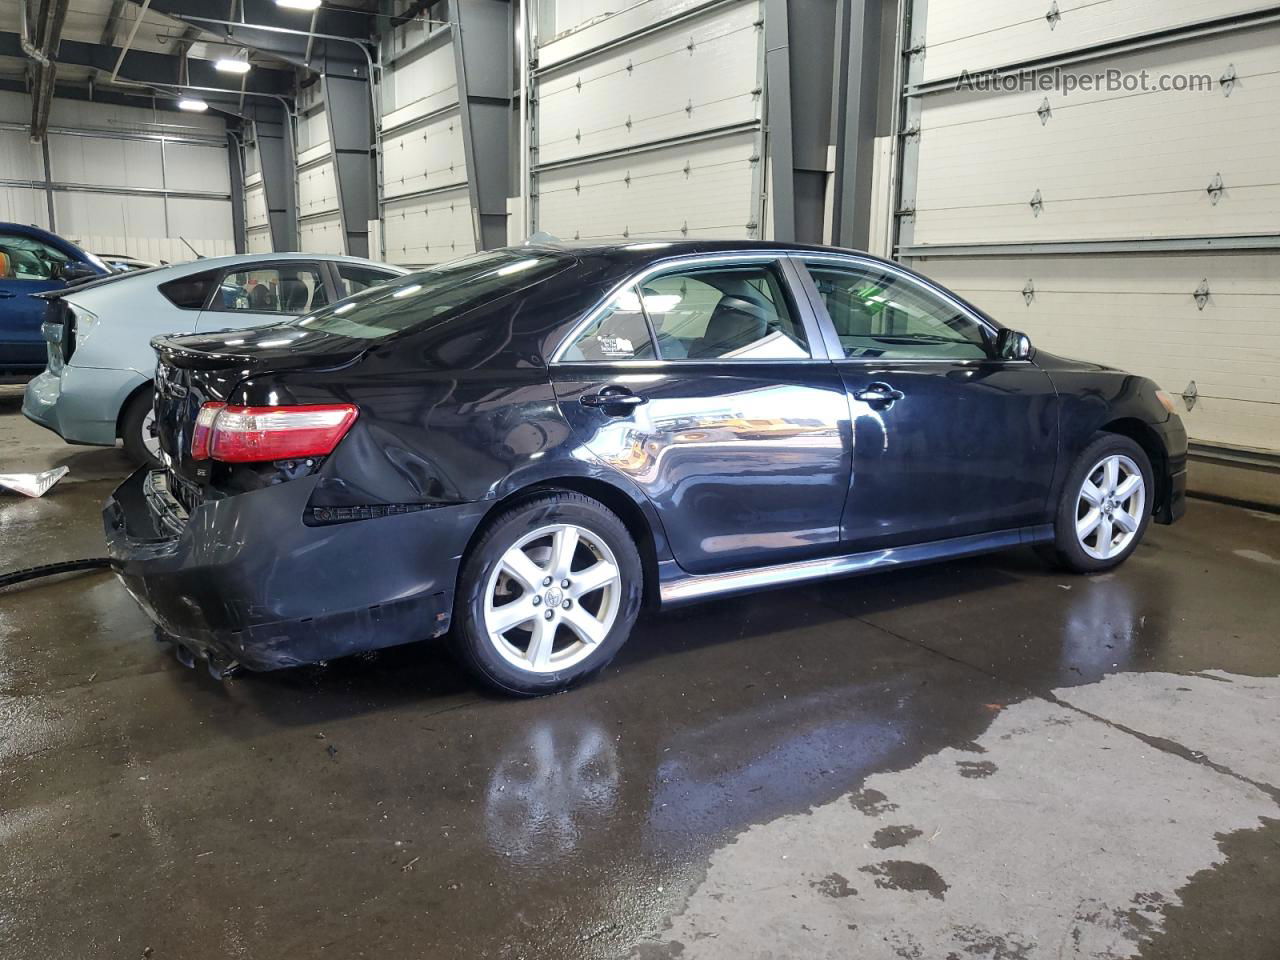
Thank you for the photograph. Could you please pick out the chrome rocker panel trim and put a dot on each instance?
(679, 587)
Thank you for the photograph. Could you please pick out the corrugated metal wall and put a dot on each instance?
(648, 121)
(1136, 227)
(126, 180)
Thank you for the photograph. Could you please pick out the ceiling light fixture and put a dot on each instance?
(298, 4)
(231, 65)
(193, 104)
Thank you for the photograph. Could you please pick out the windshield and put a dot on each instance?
(418, 298)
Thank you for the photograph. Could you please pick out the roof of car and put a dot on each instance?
(639, 248)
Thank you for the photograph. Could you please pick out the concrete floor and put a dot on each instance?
(977, 760)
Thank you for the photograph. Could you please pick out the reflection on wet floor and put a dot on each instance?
(921, 747)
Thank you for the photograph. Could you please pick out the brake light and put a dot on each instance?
(204, 429)
(252, 434)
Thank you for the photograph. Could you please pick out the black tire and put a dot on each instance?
(469, 635)
(131, 427)
(1066, 550)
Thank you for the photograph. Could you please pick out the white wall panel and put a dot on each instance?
(419, 82)
(317, 190)
(1108, 164)
(1139, 313)
(695, 189)
(321, 234)
(196, 167)
(963, 35)
(258, 240)
(255, 207)
(430, 229)
(20, 159)
(116, 152)
(632, 130)
(582, 25)
(424, 156)
(24, 205)
(694, 76)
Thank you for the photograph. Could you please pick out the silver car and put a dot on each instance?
(97, 385)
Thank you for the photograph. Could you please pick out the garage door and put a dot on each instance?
(426, 201)
(1135, 222)
(647, 121)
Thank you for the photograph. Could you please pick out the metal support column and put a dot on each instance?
(277, 160)
(483, 38)
(857, 68)
(235, 161)
(348, 111)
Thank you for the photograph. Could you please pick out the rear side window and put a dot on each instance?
(435, 294)
(621, 332)
(189, 293)
(353, 279)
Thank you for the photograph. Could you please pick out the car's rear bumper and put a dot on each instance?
(245, 579)
(1173, 489)
(82, 404)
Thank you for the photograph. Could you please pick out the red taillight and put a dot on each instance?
(204, 429)
(252, 434)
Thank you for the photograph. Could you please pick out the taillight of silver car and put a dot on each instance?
(234, 434)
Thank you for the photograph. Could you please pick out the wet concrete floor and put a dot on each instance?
(983, 759)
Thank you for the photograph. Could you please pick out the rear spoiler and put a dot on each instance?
(89, 283)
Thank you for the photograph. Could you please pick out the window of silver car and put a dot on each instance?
(279, 289)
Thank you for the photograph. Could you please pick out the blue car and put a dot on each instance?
(33, 261)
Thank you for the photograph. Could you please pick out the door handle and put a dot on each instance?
(878, 392)
(612, 397)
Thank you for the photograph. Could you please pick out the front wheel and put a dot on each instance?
(138, 429)
(548, 595)
(1106, 505)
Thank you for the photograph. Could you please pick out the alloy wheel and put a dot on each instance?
(150, 439)
(552, 598)
(1110, 507)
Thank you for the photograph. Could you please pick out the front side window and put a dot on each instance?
(22, 258)
(723, 313)
(282, 289)
(881, 315)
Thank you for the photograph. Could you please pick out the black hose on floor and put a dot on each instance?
(52, 569)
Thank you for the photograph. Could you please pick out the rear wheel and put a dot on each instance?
(138, 429)
(548, 595)
(1106, 505)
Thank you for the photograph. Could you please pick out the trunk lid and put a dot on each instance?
(206, 368)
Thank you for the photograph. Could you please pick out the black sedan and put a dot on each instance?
(523, 447)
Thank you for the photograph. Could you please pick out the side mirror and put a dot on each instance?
(1013, 345)
(71, 271)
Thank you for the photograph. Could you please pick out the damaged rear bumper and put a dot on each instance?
(244, 579)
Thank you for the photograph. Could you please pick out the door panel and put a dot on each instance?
(969, 447)
(747, 463)
(948, 439)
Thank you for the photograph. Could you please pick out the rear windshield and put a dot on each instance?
(418, 298)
